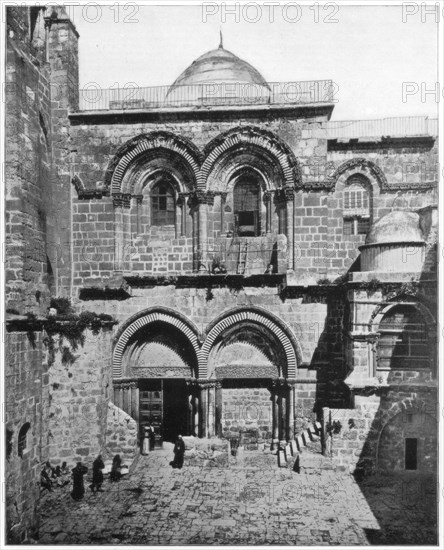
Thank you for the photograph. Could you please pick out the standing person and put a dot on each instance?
(115, 473)
(78, 489)
(152, 437)
(97, 479)
(179, 453)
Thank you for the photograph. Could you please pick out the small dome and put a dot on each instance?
(396, 227)
(219, 65)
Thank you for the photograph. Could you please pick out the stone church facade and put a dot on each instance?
(235, 263)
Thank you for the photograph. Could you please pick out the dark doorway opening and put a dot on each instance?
(175, 409)
(411, 453)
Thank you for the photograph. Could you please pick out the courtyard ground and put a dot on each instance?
(247, 502)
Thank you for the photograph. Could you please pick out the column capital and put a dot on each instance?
(121, 200)
(204, 383)
(291, 382)
(278, 382)
(223, 196)
(125, 384)
(181, 198)
(268, 196)
(200, 196)
(138, 198)
(287, 194)
(210, 198)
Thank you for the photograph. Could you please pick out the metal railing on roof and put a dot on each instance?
(389, 127)
(94, 98)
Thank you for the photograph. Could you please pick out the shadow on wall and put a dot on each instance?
(328, 358)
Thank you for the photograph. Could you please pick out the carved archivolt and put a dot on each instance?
(145, 319)
(263, 318)
(145, 143)
(131, 161)
(361, 166)
(267, 322)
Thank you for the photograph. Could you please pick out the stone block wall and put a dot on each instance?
(27, 402)
(247, 408)
(372, 435)
(28, 164)
(121, 435)
(79, 392)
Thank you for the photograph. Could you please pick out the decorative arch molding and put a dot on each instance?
(145, 318)
(384, 308)
(256, 315)
(158, 160)
(363, 167)
(244, 136)
(143, 143)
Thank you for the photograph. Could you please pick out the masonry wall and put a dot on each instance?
(409, 166)
(28, 162)
(79, 392)
(372, 435)
(246, 409)
(27, 401)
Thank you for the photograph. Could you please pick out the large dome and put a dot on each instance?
(215, 69)
(396, 227)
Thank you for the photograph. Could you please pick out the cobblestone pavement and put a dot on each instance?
(255, 503)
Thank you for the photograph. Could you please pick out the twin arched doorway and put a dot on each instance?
(237, 377)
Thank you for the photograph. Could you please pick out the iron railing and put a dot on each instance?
(389, 127)
(94, 98)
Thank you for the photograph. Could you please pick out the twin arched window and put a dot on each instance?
(356, 208)
(163, 204)
(403, 340)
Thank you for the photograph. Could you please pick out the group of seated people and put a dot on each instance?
(51, 478)
(60, 476)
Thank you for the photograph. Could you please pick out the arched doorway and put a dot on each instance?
(249, 360)
(155, 366)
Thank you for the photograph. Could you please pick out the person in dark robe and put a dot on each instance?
(97, 478)
(78, 489)
(152, 436)
(179, 453)
(115, 473)
(45, 480)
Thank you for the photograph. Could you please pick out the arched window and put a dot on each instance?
(356, 209)
(23, 439)
(246, 207)
(403, 340)
(163, 205)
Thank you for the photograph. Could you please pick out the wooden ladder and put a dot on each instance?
(242, 260)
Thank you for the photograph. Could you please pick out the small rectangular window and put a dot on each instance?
(348, 226)
(411, 453)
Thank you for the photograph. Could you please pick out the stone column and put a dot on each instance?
(223, 200)
(202, 237)
(283, 413)
(135, 400)
(211, 408)
(218, 409)
(288, 196)
(121, 204)
(275, 400)
(196, 405)
(191, 403)
(268, 195)
(291, 408)
(203, 398)
(194, 229)
(182, 202)
(138, 224)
